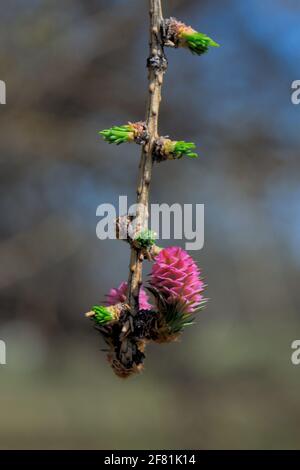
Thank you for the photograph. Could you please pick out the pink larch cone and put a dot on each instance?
(118, 295)
(176, 276)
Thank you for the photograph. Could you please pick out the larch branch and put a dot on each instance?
(157, 65)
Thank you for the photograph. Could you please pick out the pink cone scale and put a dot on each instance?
(118, 295)
(177, 277)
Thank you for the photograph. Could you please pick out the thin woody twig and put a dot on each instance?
(157, 65)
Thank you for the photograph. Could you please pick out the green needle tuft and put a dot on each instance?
(198, 43)
(102, 315)
(118, 134)
(182, 148)
(146, 239)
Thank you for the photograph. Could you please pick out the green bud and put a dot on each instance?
(182, 148)
(132, 132)
(118, 134)
(198, 43)
(167, 149)
(146, 239)
(102, 315)
(181, 35)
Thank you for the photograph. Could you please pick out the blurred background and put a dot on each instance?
(72, 68)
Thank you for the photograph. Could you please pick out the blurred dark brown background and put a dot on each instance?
(74, 67)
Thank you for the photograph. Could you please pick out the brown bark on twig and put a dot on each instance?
(157, 65)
